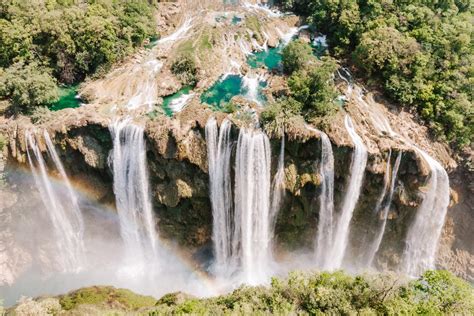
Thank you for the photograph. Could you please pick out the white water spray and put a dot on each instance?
(383, 207)
(131, 188)
(252, 205)
(278, 186)
(63, 209)
(178, 104)
(146, 95)
(326, 199)
(180, 32)
(219, 150)
(358, 164)
(425, 231)
(251, 84)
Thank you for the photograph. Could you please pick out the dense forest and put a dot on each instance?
(47, 43)
(420, 52)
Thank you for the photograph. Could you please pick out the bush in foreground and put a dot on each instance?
(434, 293)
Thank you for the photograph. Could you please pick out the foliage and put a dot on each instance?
(314, 87)
(436, 292)
(312, 91)
(40, 114)
(27, 85)
(3, 142)
(336, 293)
(278, 115)
(108, 296)
(184, 67)
(295, 56)
(67, 40)
(230, 107)
(420, 51)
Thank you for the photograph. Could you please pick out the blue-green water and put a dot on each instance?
(223, 91)
(270, 58)
(153, 41)
(67, 99)
(168, 99)
(236, 20)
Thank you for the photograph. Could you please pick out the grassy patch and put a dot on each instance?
(106, 296)
(3, 141)
(185, 48)
(253, 24)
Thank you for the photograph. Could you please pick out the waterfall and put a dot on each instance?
(219, 151)
(278, 186)
(252, 205)
(425, 231)
(287, 37)
(179, 33)
(178, 104)
(147, 93)
(382, 208)
(325, 225)
(131, 188)
(251, 85)
(358, 164)
(244, 48)
(63, 209)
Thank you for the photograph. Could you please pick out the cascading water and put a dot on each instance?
(251, 86)
(383, 207)
(358, 164)
(326, 199)
(63, 209)
(252, 205)
(219, 150)
(180, 32)
(424, 232)
(278, 186)
(146, 94)
(131, 190)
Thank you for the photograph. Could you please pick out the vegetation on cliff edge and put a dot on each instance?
(312, 92)
(44, 43)
(421, 53)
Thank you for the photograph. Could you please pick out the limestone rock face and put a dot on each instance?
(179, 181)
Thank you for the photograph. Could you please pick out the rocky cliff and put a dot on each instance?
(179, 179)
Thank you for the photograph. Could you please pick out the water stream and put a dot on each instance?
(252, 205)
(425, 230)
(219, 150)
(63, 209)
(358, 164)
(131, 188)
(325, 236)
(383, 207)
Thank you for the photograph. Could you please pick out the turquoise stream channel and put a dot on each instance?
(270, 58)
(67, 99)
(223, 91)
(169, 99)
(220, 94)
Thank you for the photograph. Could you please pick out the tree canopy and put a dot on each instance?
(63, 41)
(421, 53)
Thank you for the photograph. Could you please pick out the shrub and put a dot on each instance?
(184, 67)
(313, 86)
(105, 296)
(27, 85)
(296, 55)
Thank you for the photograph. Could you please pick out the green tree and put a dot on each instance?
(295, 55)
(27, 85)
(314, 87)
